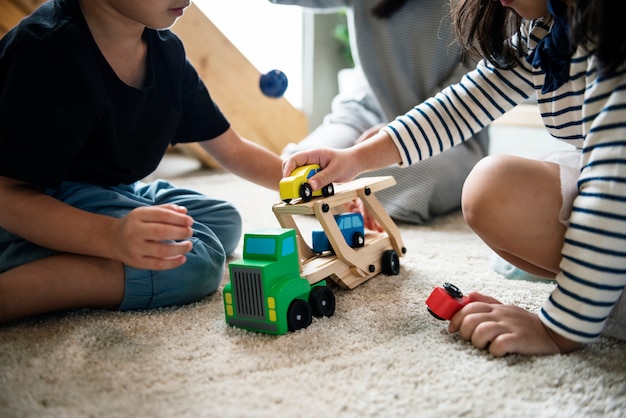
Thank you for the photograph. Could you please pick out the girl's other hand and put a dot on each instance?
(506, 329)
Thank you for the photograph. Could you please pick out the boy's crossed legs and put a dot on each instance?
(37, 280)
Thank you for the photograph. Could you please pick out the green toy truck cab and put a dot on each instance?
(266, 292)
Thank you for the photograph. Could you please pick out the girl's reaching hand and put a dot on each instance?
(506, 329)
(341, 165)
(154, 237)
(337, 165)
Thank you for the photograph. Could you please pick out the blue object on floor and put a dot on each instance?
(508, 270)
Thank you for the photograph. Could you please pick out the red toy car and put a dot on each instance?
(445, 301)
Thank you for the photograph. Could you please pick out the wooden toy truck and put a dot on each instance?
(280, 283)
(266, 292)
(347, 266)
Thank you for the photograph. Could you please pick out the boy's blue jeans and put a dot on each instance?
(217, 230)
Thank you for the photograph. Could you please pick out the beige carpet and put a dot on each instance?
(380, 355)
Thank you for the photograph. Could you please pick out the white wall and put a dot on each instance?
(288, 38)
(270, 36)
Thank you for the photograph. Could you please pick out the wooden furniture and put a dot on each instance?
(231, 79)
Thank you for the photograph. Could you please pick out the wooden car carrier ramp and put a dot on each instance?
(348, 267)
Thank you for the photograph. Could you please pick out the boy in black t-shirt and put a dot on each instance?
(92, 92)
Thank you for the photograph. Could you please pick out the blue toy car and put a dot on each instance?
(352, 228)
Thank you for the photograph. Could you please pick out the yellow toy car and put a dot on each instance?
(296, 185)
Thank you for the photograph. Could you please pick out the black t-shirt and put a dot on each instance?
(66, 116)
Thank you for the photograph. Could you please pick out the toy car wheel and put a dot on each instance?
(435, 315)
(306, 192)
(452, 290)
(358, 240)
(390, 263)
(328, 190)
(299, 315)
(322, 301)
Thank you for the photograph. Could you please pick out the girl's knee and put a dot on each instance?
(476, 187)
(486, 190)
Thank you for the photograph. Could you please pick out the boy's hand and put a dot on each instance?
(154, 237)
(506, 329)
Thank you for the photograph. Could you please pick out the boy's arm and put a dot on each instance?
(50, 223)
(245, 158)
(136, 239)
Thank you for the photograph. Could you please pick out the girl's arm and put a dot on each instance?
(441, 122)
(459, 111)
(594, 252)
(340, 165)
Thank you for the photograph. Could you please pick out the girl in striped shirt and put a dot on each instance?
(562, 218)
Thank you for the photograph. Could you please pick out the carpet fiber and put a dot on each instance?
(381, 355)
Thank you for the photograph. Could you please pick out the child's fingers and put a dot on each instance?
(165, 214)
(298, 160)
(466, 317)
(166, 249)
(151, 263)
(160, 255)
(479, 297)
(175, 208)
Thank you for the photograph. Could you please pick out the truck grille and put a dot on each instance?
(248, 292)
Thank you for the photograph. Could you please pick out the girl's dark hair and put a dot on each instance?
(599, 26)
(484, 29)
(386, 8)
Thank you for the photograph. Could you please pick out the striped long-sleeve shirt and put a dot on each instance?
(588, 112)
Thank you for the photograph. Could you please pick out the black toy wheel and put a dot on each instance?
(328, 190)
(435, 315)
(322, 301)
(299, 315)
(306, 192)
(452, 290)
(390, 263)
(358, 240)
